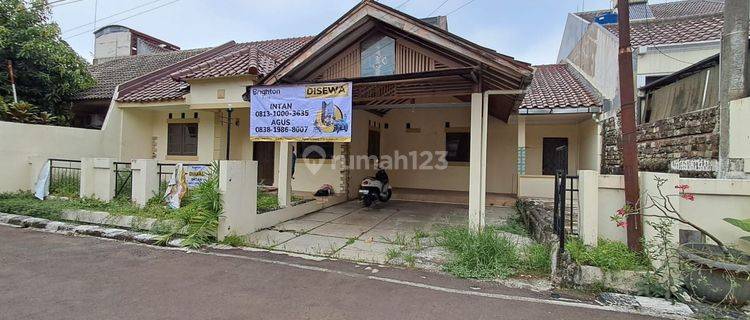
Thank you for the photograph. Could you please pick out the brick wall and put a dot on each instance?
(692, 135)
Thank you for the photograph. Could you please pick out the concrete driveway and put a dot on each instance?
(352, 232)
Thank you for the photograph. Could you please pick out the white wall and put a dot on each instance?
(669, 59)
(715, 199)
(575, 28)
(595, 57)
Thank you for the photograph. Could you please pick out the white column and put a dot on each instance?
(98, 178)
(648, 187)
(145, 180)
(588, 200)
(476, 163)
(238, 186)
(521, 156)
(285, 174)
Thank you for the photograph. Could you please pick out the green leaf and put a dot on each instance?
(745, 238)
(742, 224)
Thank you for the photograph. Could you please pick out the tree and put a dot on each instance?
(47, 69)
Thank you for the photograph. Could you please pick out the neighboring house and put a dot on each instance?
(120, 54)
(666, 37)
(428, 101)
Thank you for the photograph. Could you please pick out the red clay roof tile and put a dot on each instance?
(559, 86)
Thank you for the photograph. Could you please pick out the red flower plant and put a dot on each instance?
(688, 196)
(622, 224)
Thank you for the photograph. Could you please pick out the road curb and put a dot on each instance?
(84, 229)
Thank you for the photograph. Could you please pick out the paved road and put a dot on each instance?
(53, 276)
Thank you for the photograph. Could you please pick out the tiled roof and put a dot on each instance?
(674, 30)
(112, 72)
(668, 9)
(235, 59)
(254, 58)
(559, 86)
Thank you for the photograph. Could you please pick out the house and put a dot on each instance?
(666, 37)
(437, 91)
(120, 54)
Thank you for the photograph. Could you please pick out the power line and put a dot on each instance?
(459, 7)
(110, 16)
(649, 31)
(128, 17)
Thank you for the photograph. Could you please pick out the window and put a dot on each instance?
(373, 143)
(315, 150)
(554, 155)
(182, 139)
(457, 146)
(378, 56)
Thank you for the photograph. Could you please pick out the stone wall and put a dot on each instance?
(692, 137)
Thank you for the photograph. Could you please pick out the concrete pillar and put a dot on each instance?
(285, 174)
(588, 200)
(476, 164)
(649, 187)
(521, 145)
(98, 178)
(145, 180)
(238, 186)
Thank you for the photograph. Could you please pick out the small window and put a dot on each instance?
(182, 139)
(378, 56)
(457, 146)
(373, 143)
(315, 150)
(554, 155)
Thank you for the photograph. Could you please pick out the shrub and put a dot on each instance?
(537, 259)
(608, 255)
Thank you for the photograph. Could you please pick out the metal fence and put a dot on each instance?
(64, 177)
(123, 180)
(565, 206)
(165, 171)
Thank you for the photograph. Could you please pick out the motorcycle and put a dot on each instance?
(374, 189)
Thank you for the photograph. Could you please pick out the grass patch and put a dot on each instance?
(269, 201)
(234, 241)
(488, 255)
(608, 255)
(514, 225)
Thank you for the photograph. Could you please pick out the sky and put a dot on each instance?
(528, 30)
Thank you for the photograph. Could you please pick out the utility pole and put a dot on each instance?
(229, 128)
(627, 120)
(732, 82)
(12, 81)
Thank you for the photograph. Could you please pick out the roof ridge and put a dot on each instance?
(676, 18)
(135, 83)
(272, 40)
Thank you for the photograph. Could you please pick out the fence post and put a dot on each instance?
(145, 179)
(98, 178)
(238, 184)
(648, 186)
(588, 199)
(285, 175)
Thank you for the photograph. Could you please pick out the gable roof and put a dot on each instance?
(428, 32)
(556, 86)
(230, 59)
(115, 71)
(257, 58)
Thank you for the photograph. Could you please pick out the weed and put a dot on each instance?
(538, 260)
(514, 225)
(234, 241)
(478, 255)
(351, 240)
(410, 259)
(608, 255)
(392, 253)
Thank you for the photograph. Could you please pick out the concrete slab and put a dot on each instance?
(299, 226)
(269, 238)
(394, 224)
(375, 252)
(313, 244)
(346, 231)
(361, 219)
(321, 216)
(386, 235)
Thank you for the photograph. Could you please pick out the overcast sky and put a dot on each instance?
(529, 30)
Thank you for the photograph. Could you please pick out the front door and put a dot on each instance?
(554, 155)
(264, 152)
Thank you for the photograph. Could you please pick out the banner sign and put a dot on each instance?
(305, 112)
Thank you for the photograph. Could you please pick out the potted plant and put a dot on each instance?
(711, 272)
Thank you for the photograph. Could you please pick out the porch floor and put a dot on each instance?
(352, 232)
(451, 197)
